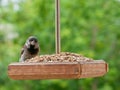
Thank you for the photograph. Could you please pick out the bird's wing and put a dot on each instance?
(22, 51)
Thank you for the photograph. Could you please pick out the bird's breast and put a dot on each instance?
(33, 51)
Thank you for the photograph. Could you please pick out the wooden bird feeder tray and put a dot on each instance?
(64, 70)
(58, 66)
(57, 70)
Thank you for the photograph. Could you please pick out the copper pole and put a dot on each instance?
(57, 25)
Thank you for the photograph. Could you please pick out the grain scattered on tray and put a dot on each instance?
(62, 57)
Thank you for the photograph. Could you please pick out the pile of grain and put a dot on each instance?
(62, 57)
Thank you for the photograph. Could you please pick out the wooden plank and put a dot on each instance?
(93, 69)
(55, 70)
(43, 70)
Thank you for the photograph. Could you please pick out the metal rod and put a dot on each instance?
(57, 25)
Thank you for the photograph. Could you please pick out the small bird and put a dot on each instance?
(30, 49)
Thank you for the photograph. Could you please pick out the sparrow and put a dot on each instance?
(30, 49)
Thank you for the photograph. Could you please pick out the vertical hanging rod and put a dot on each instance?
(57, 26)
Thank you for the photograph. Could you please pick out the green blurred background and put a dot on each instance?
(88, 27)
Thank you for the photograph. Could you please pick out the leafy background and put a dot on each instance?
(91, 25)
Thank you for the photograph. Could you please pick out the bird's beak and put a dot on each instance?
(32, 43)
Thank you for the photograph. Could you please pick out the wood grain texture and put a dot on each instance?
(71, 70)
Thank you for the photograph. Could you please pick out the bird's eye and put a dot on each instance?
(35, 41)
(30, 40)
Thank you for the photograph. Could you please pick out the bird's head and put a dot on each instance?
(32, 42)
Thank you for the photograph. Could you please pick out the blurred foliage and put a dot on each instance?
(91, 25)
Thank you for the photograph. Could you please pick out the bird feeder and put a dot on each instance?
(71, 69)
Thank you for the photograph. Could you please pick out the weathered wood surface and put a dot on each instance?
(57, 70)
